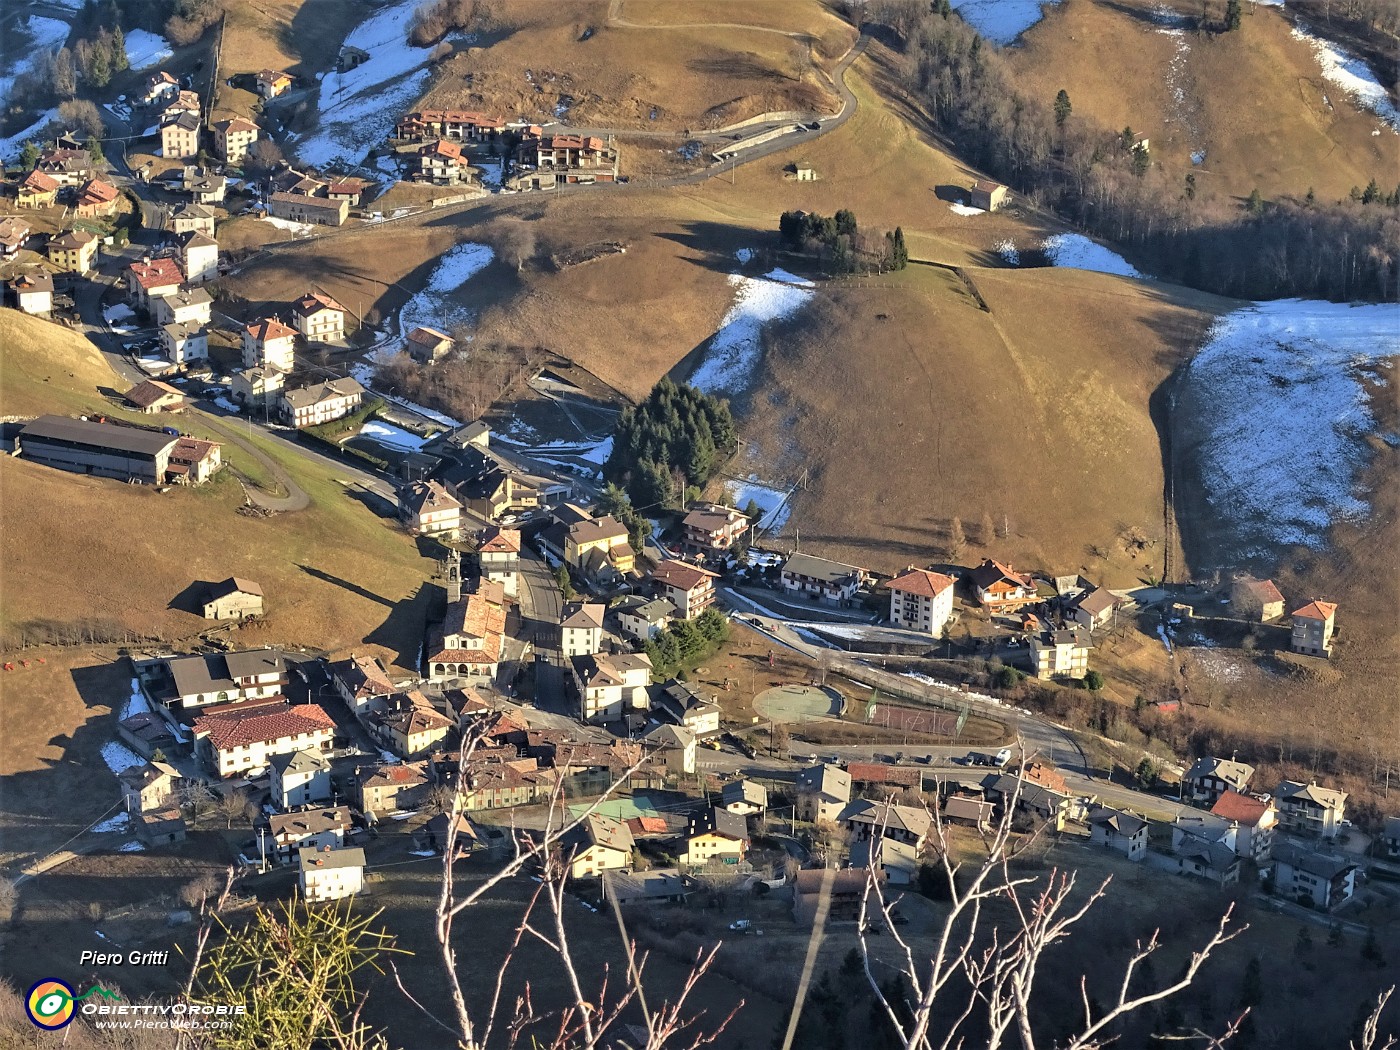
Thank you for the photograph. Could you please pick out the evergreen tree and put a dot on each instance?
(1371, 193)
(1251, 985)
(1126, 138)
(1062, 108)
(1371, 949)
(29, 156)
(1142, 161)
(116, 51)
(899, 252)
(1232, 15)
(1256, 202)
(1191, 186)
(845, 221)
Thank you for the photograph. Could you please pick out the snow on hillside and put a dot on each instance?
(1281, 400)
(10, 147)
(433, 307)
(392, 436)
(45, 34)
(359, 107)
(730, 362)
(1079, 253)
(773, 502)
(1353, 76)
(145, 49)
(1001, 21)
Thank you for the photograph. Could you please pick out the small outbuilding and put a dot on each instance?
(988, 195)
(233, 599)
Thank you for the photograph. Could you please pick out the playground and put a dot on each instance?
(790, 703)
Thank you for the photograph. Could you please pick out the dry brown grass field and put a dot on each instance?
(1253, 100)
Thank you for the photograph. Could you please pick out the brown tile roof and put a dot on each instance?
(236, 125)
(991, 572)
(188, 450)
(265, 328)
(158, 273)
(882, 773)
(427, 336)
(496, 540)
(95, 191)
(73, 239)
(455, 116)
(681, 575)
(39, 182)
(1265, 592)
(922, 582)
(1240, 808)
(149, 392)
(232, 729)
(1316, 610)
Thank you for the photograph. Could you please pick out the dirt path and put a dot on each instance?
(296, 498)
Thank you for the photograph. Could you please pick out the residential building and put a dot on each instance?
(185, 101)
(385, 788)
(988, 195)
(440, 163)
(201, 679)
(233, 599)
(199, 256)
(162, 827)
(1254, 820)
(1313, 626)
(321, 402)
(268, 343)
(688, 587)
(101, 449)
(361, 681)
(188, 218)
(73, 251)
(184, 344)
(234, 137)
(269, 83)
(1258, 600)
(160, 88)
(679, 703)
(96, 199)
(300, 207)
(36, 190)
(33, 293)
(324, 826)
(258, 388)
(887, 837)
(822, 793)
(179, 135)
(998, 586)
(822, 580)
(427, 345)
(498, 554)
(190, 306)
(204, 187)
(1033, 802)
(971, 812)
(748, 798)
(598, 844)
(233, 742)
(921, 601)
(648, 887)
(146, 733)
(1118, 830)
(676, 745)
(1210, 856)
(428, 509)
(457, 125)
(581, 629)
(1310, 809)
(193, 461)
(408, 725)
(469, 642)
(841, 892)
(153, 279)
(330, 874)
(714, 836)
(1313, 878)
(1094, 608)
(545, 159)
(349, 190)
(1060, 654)
(711, 528)
(299, 778)
(66, 166)
(149, 786)
(14, 232)
(643, 618)
(1390, 838)
(151, 395)
(319, 318)
(608, 686)
(1209, 778)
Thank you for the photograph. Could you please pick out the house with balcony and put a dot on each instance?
(714, 837)
(710, 528)
(1313, 626)
(299, 778)
(268, 343)
(1313, 878)
(921, 600)
(1060, 654)
(269, 83)
(599, 843)
(680, 703)
(689, 588)
(643, 618)
(152, 279)
(581, 629)
(609, 686)
(235, 741)
(1309, 809)
(998, 587)
(179, 135)
(33, 293)
(1118, 830)
(428, 509)
(321, 402)
(1254, 821)
(1209, 778)
(234, 137)
(823, 792)
(319, 318)
(822, 580)
(187, 306)
(199, 256)
(96, 199)
(309, 829)
(498, 555)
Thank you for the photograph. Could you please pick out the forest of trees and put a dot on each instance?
(841, 244)
(1260, 249)
(669, 444)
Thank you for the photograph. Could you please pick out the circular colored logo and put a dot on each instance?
(50, 1003)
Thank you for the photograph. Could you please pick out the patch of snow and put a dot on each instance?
(130, 847)
(11, 146)
(113, 823)
(227, 405)
(492, 173)
(422, 853)
(1001, 21)
(744, 255)
(433, 306)
(1216, 664)
(117, 313)
(1353, 76)
(732, 358)
(1007, 250)
(300, 229)
(359, 107)
(136, 703)
(119, 758)
(154, 365)
(773, 502)
(391, 436)
(1284, 412)
(145, 49)
(388, 756)
(45, 35)
(958, 208)
(1166, 638)
(1198, 156)
(1078, 252)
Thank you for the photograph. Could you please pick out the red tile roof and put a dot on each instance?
(1241, 808)
(233, 729)
(313, 302)
(265, 328)
(39, 182)
(1263, 591)
(95, 191)
(158, 273)
(496, 540)
(1316, 610)
(921, 581)
(681, 575)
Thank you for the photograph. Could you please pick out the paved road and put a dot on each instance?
(540, 606)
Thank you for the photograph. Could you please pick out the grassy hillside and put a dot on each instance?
(1254, 101)
(121, 556)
